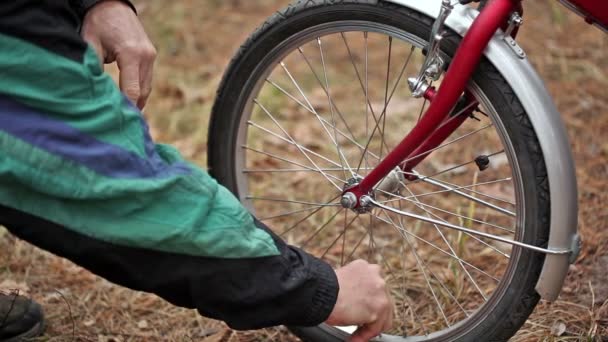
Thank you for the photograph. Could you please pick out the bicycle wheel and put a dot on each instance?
(315, 98)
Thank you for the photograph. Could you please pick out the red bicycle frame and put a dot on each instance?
(429, 133)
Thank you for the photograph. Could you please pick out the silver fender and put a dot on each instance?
(551, 133)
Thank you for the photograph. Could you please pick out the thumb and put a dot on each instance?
(96, 44)
(366, 332)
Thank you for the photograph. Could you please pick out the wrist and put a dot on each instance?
(338, 308)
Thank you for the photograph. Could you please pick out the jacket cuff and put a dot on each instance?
(326, 295)
(81, 7)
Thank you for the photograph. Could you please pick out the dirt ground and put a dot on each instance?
(195, 41)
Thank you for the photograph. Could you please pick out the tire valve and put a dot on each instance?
(483, 162)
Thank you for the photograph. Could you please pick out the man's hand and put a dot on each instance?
(363, 300)
(115, 32)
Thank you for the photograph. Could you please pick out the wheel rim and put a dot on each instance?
(436, 267)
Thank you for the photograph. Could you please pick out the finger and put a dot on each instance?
(357, 336)
(145, 85)
(145, 76)
(389, 322)
(367, 331)
(129, 77)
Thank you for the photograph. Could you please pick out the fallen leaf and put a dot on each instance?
(57, 295)
(8, 285)
(143, 324)
(558, 328)
(206, 332)
(223, 335)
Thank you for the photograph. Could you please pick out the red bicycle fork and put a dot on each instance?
(459, 115)
(436, 125)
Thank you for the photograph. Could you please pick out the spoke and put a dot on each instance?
(368, 103)
(447, 143)
(431, 180)
(381, 254)
(472, 198)
(290, 138)
(369, 153)
(335, 169)
(372, 244)
(422, 109)
(388, 72)
(460, 187)
(343, 239)
(286, 93)
(446, 185)
(421, 204)
(293, 212)
(307, 216)
(312, 70)
(320, 229)
(414, 316)
(477, 192)
(326, 175)
(352, 61)
(445, 240)
(296, 145)
(422, 269)
(448, 212)
(343, 233)
(321, 118)
(357, 246)
(432, 245)
(433, 273)
(376, 126)
(471, 231)
(462, 111)
(295, 83)
(331, 109)
(269, 199)
(457, 166)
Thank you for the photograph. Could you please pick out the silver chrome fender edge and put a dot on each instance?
(551, 133)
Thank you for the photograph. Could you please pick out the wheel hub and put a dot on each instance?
(392, 183)
(362, 203)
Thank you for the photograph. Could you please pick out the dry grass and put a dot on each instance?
(195, 42)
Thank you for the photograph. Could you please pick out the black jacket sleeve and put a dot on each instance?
(292, 288)
(81, 7)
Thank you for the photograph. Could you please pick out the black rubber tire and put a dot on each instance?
(520, 298)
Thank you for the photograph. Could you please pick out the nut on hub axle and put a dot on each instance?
(350, 201)
(362, 206)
